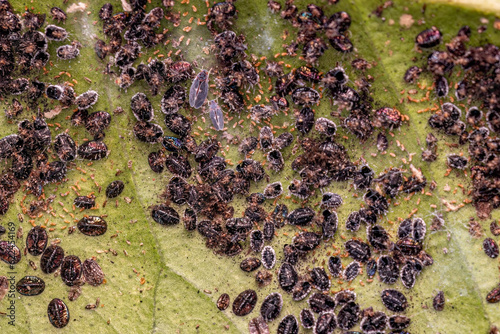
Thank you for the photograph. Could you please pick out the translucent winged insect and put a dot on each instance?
(199, 90)
(216, 115)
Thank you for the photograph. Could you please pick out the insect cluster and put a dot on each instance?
(477, 69)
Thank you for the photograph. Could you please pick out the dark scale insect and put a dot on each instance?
(301, 216)
(261, 112)
(490, 247)
(335, 78)
(54, 171)
(409, 246)
(178, 190)
(178, 124)
(285, 84)
(156, 161)
(353, 221)
(345, 296)
(301, 290)
(173, 99)
(33, 21)
(376, 201)
(279, 102)
(78, 117)
(9, 253)
(250, 264)
(307, 318)
(86, 100)
(97, 122)
(441, 87)
(258, 326)
(172, 144)
(348, 315)
(189, 219)
(335, 266)
(494, 228)
(36, 240)
(287, 277)
(379, 238)
(268, 230)
(331, 200)
(55, 33)
(58, 14)
(456, 161)
(68, 52)
(10, 144)
(101, 49)
(291, 254)
(398, 322)
(308, 73)
(256, 199)
(165, 215)
(263, 278)
(30, 286)
(71, 270)
(18, 86)
(387, 118)
(276, 161)
(271, 307)
(148, 132)
(325, 127)
(320, 279)
(304, 120)
(371, 268)
(428, 38)
(306, 241)
(394, 300)
(51, 259)
(244, 303)
(363, 178)
(279, 215)
(374, 322)
(288, 325)
(474, 116)
(408, 275)
(255, 213)
(266, 138)
(305, 96)
(247, 145)
(142, 107)
(58, 313)
(319, 302)
(65, 147)
(251, 170)
(382, 142)
(256, 241)
(341, 43)
(282, 141)
(199, 90)
(273, 190)
(439, 301)
(223, 302)
(92, 226)
(178, 165)
(268, 257)
(114, 189)
(494, 295)
(329, 224)
(326, 323)
(388, 269)
(92, 272)
(85, 202)
(351, 271)
(22, 164)
(358, 250)
(313, 49)
(93, 150)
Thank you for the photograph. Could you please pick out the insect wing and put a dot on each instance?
(199, 90)
(216, 116)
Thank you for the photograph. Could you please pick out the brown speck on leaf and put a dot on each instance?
(475, 229)
(406, 21)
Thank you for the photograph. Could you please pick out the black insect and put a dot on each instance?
(326, 323)
(351, 271)
(439, 301)
(320, 279)
(250, 264)
(341, 43)
(428, 38)
(394, 300)
(165, 215)
(148, 132)
(456, 161)
(288, 325)
(374, 322)
(319, 302)
(71, 270)
(58, 14)
(86, 100)
(36, 241)
(490, 248)
(92, 226)
(287, 277)
(266, 138)
(348, 315)
(353, 221)
(307, 318)
(58, 313)
(344, 297)
(92, 272)
(398, 322)
(223, 302)
(271, 307)
(51, 259)
(283, 140)
(268, 257)
(178, 124)
(93, 150)
(358, 250)
(256, 240)
(244, 303)
(173, 99)
(68, 52)
(30, 286)
(305, 96)
(142, 107)
(301, 290)
(304, 120)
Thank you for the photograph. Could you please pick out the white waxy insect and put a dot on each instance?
(216, 115)
(199, 90)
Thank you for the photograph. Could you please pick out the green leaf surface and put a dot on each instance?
(164, 279)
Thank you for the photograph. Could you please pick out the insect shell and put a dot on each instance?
(428, 38)
(93, 150)
(58, 14)
(58, 313)
(199, 90)
(216, 115)
(271, 306)
(56, 33)
(266, 138)
(67, 52)
(173, 99)
(86, 100)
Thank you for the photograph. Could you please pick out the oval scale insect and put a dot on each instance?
(58, 313)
